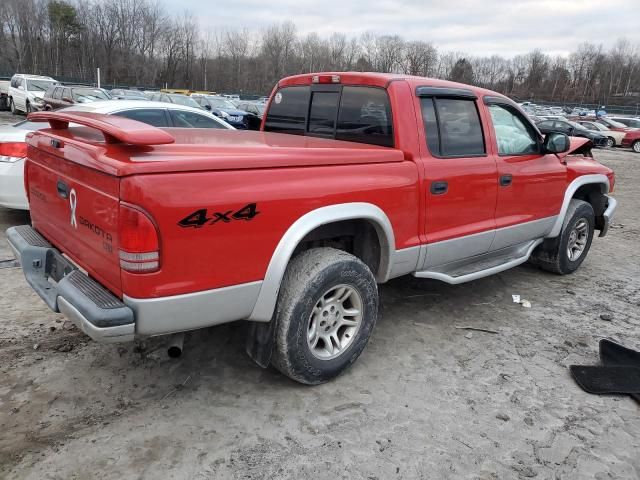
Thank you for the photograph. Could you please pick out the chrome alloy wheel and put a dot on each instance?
(334, 322)
(578, 239)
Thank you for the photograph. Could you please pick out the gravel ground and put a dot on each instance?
(425, 400)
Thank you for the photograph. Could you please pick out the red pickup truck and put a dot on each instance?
(355, 178)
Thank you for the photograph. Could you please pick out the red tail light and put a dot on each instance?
(139, 243)
(13, 149)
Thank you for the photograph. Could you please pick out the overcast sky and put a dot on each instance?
(481, 27)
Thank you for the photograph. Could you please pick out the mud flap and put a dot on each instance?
(261, 341)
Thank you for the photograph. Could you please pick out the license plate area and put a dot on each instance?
(57, 267)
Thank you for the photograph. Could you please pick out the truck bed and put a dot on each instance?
(204, 149)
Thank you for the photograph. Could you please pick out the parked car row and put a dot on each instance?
(29, 93)
(602, 130)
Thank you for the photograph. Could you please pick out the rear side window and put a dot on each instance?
(365, 116)
(288, 111)
(453, 127)
(151, 116)
(183, 119)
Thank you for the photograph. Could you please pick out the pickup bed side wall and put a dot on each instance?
(246, 213)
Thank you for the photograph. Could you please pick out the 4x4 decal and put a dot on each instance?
(200, 218)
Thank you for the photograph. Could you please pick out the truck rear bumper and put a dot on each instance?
(66, 289)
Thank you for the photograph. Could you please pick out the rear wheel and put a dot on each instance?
(572, 246)
(327, 308)
(636, 146)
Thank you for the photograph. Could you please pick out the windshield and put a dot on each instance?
(577, 126)
(39, 85)
(615, 124)
(184, 100)
(221, 103)
(88, 94)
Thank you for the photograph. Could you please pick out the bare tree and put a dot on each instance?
(136, 42)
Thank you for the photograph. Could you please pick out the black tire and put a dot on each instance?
(12, 107)
(308, 277)
(611, 142)
(553, 255)
(28, 111)
(636, 146)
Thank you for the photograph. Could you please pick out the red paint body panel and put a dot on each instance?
(632, 136)
(286, 176)
(91, 241)
(225, 254)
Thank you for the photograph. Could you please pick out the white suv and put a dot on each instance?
(26, 92)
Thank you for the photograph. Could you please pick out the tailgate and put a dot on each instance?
(74, 187)
(76, 209)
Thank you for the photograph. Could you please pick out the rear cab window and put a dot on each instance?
(359, 114)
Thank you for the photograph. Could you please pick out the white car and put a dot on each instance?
(13, 148)
(26, 92)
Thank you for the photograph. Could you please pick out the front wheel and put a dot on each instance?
(12, 106)
(636, 146)
(572, 246)
(327, 308)
(610, 142)
(29, 110)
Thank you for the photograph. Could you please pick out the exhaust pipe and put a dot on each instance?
(174, 350)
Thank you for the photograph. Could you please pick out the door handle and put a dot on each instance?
(505, 180)
(63, 189)
(439, 188)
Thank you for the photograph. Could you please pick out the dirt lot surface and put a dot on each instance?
(425, 400)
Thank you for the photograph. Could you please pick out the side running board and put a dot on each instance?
(480, 266)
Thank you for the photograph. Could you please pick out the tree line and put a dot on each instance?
(140, 43)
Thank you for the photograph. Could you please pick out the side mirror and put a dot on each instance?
(208, 107)
(20, 87)
(556, 143)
